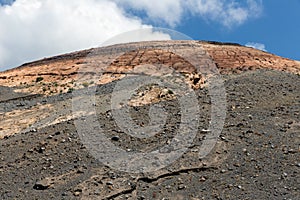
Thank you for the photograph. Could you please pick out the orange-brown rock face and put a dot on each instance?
(232, 59)
(130, 60)
(58, 74)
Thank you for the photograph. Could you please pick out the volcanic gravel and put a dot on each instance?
(256, 157)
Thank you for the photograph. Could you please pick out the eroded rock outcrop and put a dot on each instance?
(59, 74)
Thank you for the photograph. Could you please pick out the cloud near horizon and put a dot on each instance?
(256, 45)
(228, 13)
(33, 29)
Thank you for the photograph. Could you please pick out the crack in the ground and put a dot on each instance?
(155, 179)
(123, 192)
(174, 173)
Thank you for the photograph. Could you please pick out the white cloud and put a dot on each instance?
(255, 45)
(32, 29)
(167, 11)
(226, 12)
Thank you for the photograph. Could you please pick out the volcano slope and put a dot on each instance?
(43, 154)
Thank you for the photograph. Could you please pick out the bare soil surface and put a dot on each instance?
(257, 155)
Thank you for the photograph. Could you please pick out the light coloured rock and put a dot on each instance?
(60, 73)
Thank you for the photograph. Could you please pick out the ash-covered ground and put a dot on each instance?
(257, 155)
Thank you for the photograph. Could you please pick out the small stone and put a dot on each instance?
(41, 149)
(223, 138)
(237, 164)
(292, 151)
(141, 197)
(20, 104)
(109, 183)
(80, 170)
(30, 150)
(202, 179)
(43, 184)
(115, 138)
(57, 133)
(283, 129)
(285, 174)
(181, 187)
(240, 125)
(239, 186)
(77, 192)
(97, 192)
(223, 171)
(205, 130)
(194, 150)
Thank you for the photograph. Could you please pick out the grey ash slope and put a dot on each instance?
(257, 156)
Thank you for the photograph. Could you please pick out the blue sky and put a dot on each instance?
(278, 28)
(34, 29)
